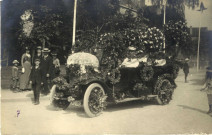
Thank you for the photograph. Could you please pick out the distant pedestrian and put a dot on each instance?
(36, 80)
(46, 67)
(56, 66)
(15, 76)
(26, 70)
(186, 69)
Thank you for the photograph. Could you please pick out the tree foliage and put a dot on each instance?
(177, 37)
(53, 24)
(192, 3)
(45, 28)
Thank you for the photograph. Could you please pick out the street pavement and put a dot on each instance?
(186, 113)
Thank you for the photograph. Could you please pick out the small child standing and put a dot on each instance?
(36, 80)
(15, 77)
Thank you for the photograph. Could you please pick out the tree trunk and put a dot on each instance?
(33, 55)
(7, 58)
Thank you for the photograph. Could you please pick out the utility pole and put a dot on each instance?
(164, 22)
(198, 43)
(202, 8)
(74, 24)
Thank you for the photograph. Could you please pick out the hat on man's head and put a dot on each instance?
(39, 48)
(37, 60)
(187, 59)
(27, 48)
(131, 48)
(45, 50)
(15, 62)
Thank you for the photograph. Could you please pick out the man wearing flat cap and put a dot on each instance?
(46, 67)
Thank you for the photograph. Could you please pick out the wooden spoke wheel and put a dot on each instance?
(164, 91)
(94, 100)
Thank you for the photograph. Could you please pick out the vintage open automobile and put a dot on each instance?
(87, 84)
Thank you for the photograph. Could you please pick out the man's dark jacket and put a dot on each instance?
(46, 66)
(36, 76)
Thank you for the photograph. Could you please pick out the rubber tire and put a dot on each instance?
(86, 98)
(159, 100)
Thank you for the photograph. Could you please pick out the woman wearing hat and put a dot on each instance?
(26, 70)
(56, 66)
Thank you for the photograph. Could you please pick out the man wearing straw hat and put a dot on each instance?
(46, 68)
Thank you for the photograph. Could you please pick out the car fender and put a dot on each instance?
(96, 80)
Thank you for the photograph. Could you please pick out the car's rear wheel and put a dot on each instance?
(164, 91)
(94, 100)
(62, 104)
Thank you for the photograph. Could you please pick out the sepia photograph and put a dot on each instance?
(105, 67)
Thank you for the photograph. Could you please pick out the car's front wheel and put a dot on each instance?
(164, 90)
(94, 100)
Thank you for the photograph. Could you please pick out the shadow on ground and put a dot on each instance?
(191, 108)
(71, 109)
(110, 107)
(129, 105)
(30, 95)
(197, 81)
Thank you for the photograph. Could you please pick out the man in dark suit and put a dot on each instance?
(38, 54)
(46, 67)
(36, 80)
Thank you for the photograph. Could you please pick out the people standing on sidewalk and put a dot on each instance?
(56, 66)
(46, 68)
(38, 55)
(36, 80)
(15, 77)
(26, 70)
(186, 69)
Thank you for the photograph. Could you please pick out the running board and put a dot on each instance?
(148, 97)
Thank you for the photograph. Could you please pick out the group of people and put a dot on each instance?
(36, 73)
(207, 83)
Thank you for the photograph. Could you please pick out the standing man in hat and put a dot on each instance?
(38, 55)
(186, 69)
(36, 79)
(46, 68)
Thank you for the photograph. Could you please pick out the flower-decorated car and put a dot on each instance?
(91, 85)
